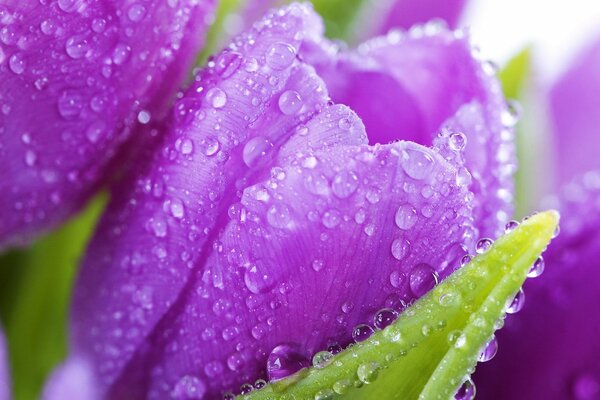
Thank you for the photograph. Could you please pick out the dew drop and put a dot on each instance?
(324, 394)
(537, 268)
(318, 264)
(260, 383)
(385, 317)
(422, 279)
(344, 184)
(511, 115)
(95, 131)
(280, 56)
(483, 245)
(227, 63)
(406, 217)
(367, 373)
(416, 163)
(331, 218)
(136, 12)
(30, 158)
(278, 215)
(76, 46)
(489, 351)
(511, 226)
(516, 304)
(466, 391)
(69, 104)
(342, 387)
(188, 388)
(400, 248)
(285, 360)
(321, 359)
(246, 388)
(463, 177)
(255, 151)
(121, 54)
(457, 141)
(16, 63)
(361, 332)
(216, 97)
(290, 102)
(144, 117)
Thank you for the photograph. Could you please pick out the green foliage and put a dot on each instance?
(434, 345)
(35, 288)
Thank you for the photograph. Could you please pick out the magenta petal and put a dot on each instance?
(4, 375)
(574, 105)
(406, 13)
(76, 76)
(413, 85)
(550, 349)
(316, 249)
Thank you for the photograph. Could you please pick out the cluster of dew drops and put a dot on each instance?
(285, 360)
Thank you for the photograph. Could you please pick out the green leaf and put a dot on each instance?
(434, 345)
(513, 76)
(35, 288)
(339, 16)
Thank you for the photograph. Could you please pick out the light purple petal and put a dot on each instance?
(413, 85)
(76, 76)
(550, 349)
(406, 13)
(4, 374)
(72, 380)
(172, 297)
(574, 105)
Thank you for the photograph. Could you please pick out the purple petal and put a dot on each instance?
(256, 202)
(413, 85)
(75, 77)
(4, 375)
(550, 349)
(406, 13)
(574, 105)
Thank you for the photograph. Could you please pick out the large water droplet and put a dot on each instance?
(457, 141)
(361, 332)
(188, 388)
(406, 216)
(136, 12)
(331, 218)
(422, 279)
(367, 373)
(216, 97)
(400, 248)
(290, 102)
(516, 304)
(280, 56)
(16, 63)
(278, 215)
(69, 104)
(385, 317)
(258, 278)
(416, 163)
(285, 360)
(483, 245)
(466, 391)
(344, 184)
(321, 359)
(76, 46)
(255, 151)
(537, 268)
(489, 350)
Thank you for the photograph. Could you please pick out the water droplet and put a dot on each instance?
(406, 217)
(255, 151)
(186, 146)
(457, 141)
(66, 5)
(285, 360)
(367, 373)
(216, 97)
(449, 299)
(331, 218)
(344, 184)
(69, 104)
(121, 54)
(95, 131)
(361, 332)
(465, 260)
(422, 279)
(177, 208)
(489, 350)
(318, 264)
(16, 63)
(400, 248)
(246, 388)
(30, 158)
(463, 177)
(227, 63)
(416, 163)
(76, 46)
(98, 25)
(344, 124)
(260, 383)
(280, 56)
(342, 387)
(136, 12)
(144, 117)
(511, 226)
(516, 304)
(278, 215)
(188, 388)
(397, 279)
(321, 359)
(258, 278)
(537, 268)
(290, 102)
(483, 245)
(384, 317)
(511, 115)
(158, 226)
(211, 146)
(324, 394)
(47, 27)
(466, 391)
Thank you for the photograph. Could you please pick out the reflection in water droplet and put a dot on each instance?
(290, 102)
(416, 163)
(278, 215)
(489, 351)
(255, 151)
(285, 360)
(466, 391)
(422, 279)
(406, 217)
(344, 184)
(400, 248)
(259, 279)
(216, 97)
(516, 304)
(537, 268)
(384, 317)
(361, 332)
(280, 56)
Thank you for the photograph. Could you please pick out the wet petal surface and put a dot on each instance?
(550, 348)
(415, 85)
(76, 79)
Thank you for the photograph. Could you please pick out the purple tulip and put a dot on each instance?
(76, 78)
(4, 376)
(272, 224)
(550, 350)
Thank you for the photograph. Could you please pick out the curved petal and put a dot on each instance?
(318, 248)
(406, 13)
(550, 349)
(413, 85)
(75, 78)
(574, 104)
(165, 249)
(4, 375)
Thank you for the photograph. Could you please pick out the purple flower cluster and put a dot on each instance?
(295, 196)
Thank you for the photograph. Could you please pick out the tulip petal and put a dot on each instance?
(4, 375)
(76, 77)
(413, 85)
(406, 13)
(290, 266)
(574, 104)
(550, 349)
(249, 116)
